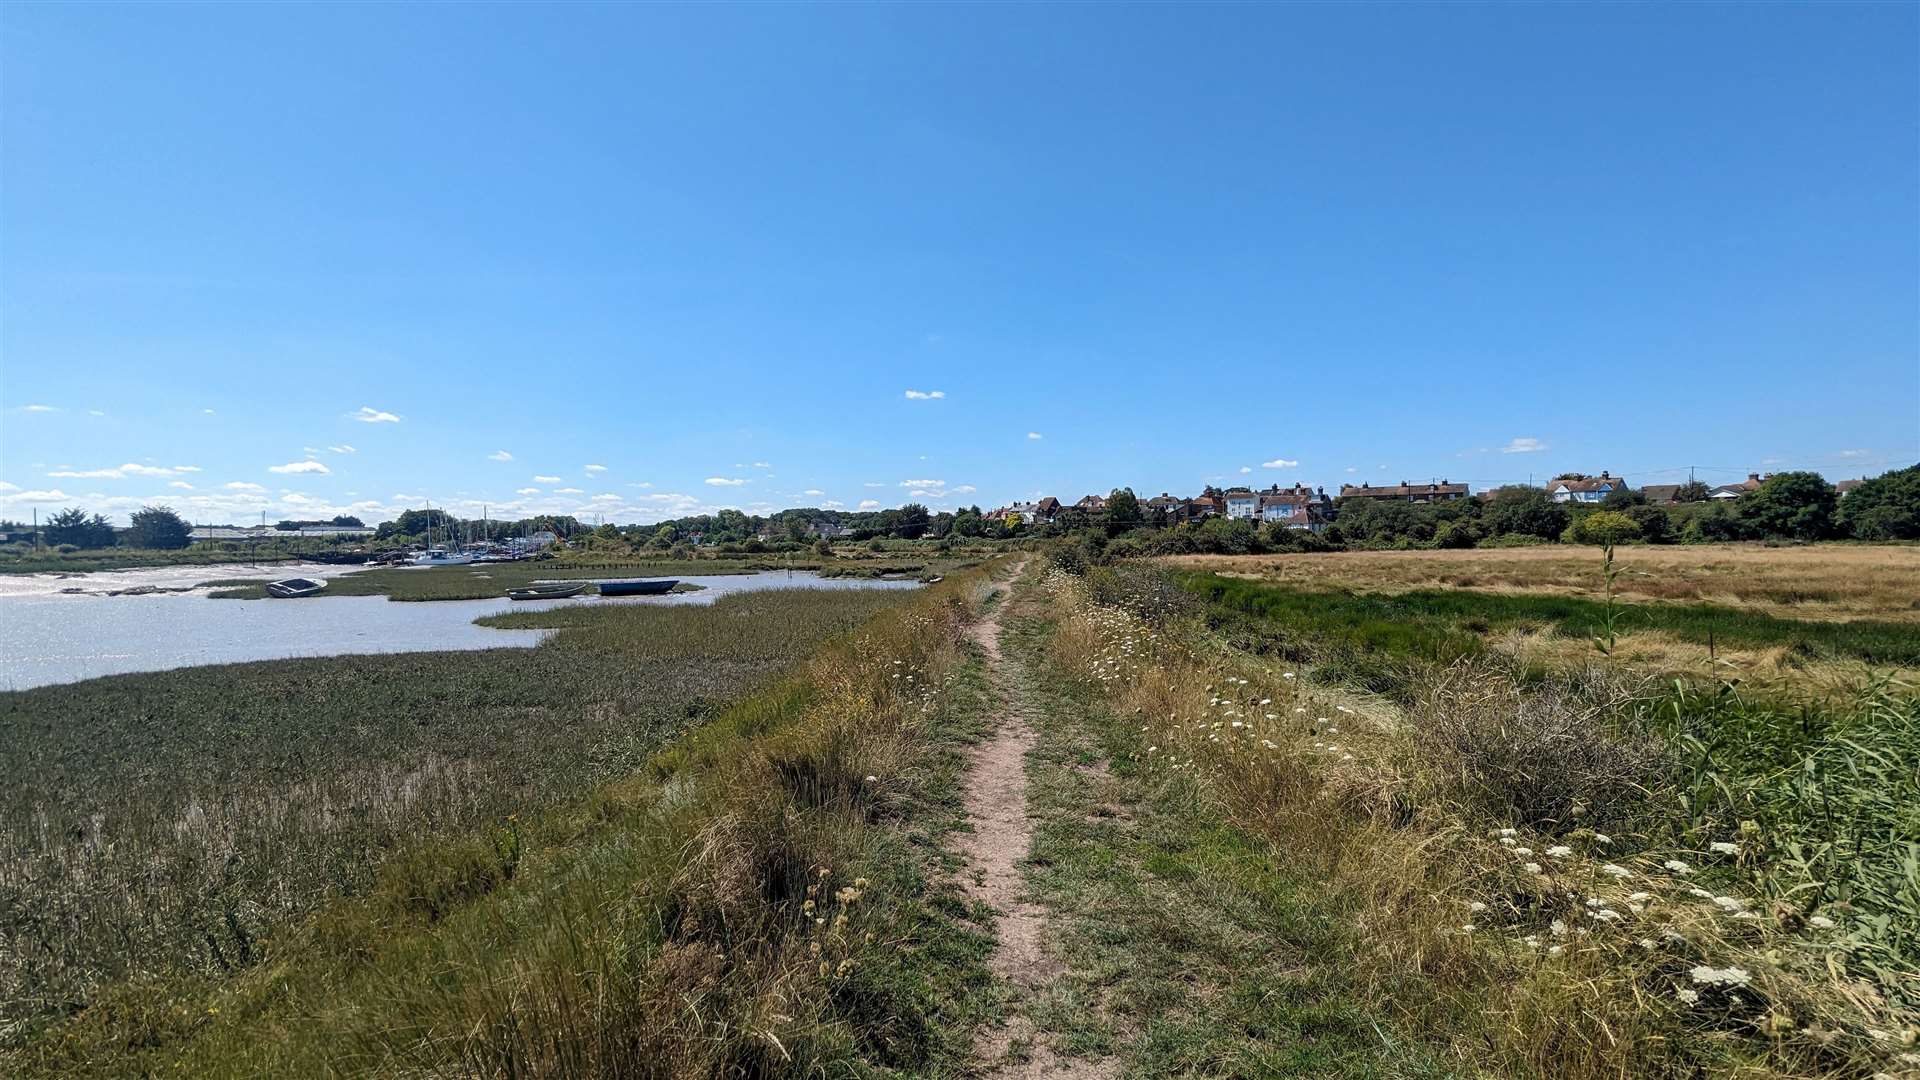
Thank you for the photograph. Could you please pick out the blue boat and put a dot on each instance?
(637, 588)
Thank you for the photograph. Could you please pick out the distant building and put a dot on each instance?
(1845, 487)
(1581, 488)
(1444, 491)
(1092, 504)
(1297, 507)
(1242, 505)
(1745, 487)
(1163, 503)
(1662, 494)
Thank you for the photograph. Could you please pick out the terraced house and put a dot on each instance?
(1444, 491)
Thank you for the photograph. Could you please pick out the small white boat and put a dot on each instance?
(293, 588)
(441, 557)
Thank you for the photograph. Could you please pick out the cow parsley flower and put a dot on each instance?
(1721, 847)
(1677, 866)
(1616, 870)
(1821, 922)
(1559, 851)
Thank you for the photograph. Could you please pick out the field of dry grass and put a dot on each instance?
(1829, 581)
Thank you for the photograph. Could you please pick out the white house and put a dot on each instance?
(1580, 488)
(1242, 503)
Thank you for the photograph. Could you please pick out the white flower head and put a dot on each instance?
(1721, 847)
(1559, 851)
(1677, 866)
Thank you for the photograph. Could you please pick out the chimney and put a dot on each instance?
(1753, 477)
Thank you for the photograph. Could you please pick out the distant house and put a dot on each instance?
(827, 530)
(1581, 488)
(1662, 494)
(1092, 504)
(1845, 487)
(1745, 487)
(1163, 503)
(1204, 506)
(1242, 505)
(1038, 512)
(1444, 491)
(1297, 507)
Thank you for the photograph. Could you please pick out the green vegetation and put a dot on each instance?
(1371, 633)
(173, 826)
(1886, 507)
(1574, 871)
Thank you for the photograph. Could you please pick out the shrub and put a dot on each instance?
(1886, 507)
(1796, 505)
(1464, 533)
(1550, 757)
(1602, 527)
(1656, 525)
(1525, 511)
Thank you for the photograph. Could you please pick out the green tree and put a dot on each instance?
(1123, 511)
(1798, 505)
(1623, 497)
(1886, 507)
(1692, 491)
(74, 526)
(968, 522)
(1656, 525)
(911, 521)
(1518, 510)
(1605, 527)
(159, 527)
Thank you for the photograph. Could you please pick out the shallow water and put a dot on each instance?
(48, 637)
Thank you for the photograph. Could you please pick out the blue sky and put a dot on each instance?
(647, 260)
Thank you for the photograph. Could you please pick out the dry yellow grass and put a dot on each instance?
(1832, 581)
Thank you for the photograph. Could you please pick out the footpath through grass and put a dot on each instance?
(1188, 949)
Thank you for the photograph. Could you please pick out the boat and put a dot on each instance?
(294, 587)
(637, 588)
(441, 557)
(557, 590)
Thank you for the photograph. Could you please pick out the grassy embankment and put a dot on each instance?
(26, 559)
(1570, 872)
(754, 896)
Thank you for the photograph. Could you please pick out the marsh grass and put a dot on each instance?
(763, 895)
(1493, 901)
(176, 821)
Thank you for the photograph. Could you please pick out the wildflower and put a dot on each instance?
(1559, 928)
(1476, 907)
(1616, 870)
(1152, 749)
(1288, 675)
(1504, 832)
(1602, 838)
(1726, 976)
(1532, 868)
(1639, 897)
(1607, 915)
(1728, 903)
(1523, 852)
(1559, 851)
(1648, 944)
(1686, 996)
(1700, 893)
(1677, 866)
(872, 779)
(1821, 922)
(1721, 847)
(1556, 950)
(1468, 928)
(1266, 701)
(1346, 757)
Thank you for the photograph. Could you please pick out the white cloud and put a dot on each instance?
(869, 504)
(925, 395)
(1525, 444)
(242, 485)
(527, 491)
(121, 472)
(96, 412)
(724, 481)
(1353, 468)
(964, 489)
(1245, 469)
(763, 464)
(568, 491)
(923, 483)
(181, 484)
(1035, 435)
(1280, 463)
(642, 484)
(4, 486)
(596, 469)
(546, 479)
(300, 467)
(499, 455)
(1855, 453)
(343, 448)
(370, 415)
(39, 408)
(206, 412)
(873, 484)
(832, 504)
(813, 491)
(606, 498)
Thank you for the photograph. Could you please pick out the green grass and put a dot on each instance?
(25, 559)
(1443, 625)
(1190, 950)
(176, 821)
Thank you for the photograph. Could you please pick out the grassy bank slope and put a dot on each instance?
(175, 821)
(754, 899)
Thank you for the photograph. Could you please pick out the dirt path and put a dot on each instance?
(996, 803)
